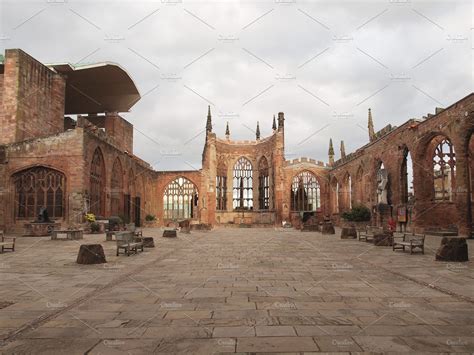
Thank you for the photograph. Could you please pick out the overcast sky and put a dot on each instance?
(322, 63)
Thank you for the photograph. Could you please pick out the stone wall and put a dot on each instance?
(33, 99)
(419, 137)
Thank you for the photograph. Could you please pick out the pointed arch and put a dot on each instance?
(221, 186)
(116, 189)
(180, 199)
(263, 184)
(305, 192)
(38, 187)
(97, 183)
(444, 169)
(359, 185)
(243, 185)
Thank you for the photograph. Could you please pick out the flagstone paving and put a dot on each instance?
(234, 290)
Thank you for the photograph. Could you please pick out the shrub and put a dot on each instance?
(357, 214)
(150, 217)
(95, 227)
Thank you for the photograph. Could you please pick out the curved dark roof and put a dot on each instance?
(97, 88)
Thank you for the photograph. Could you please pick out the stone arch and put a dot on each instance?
(242, 184)
(221, 185)
(36, 187)
(97, 184)
(117, 189)
(263, 184)
(382, 183)
(305, 192)
(359, 185)
(334, 195)
(407, 194)
(345, 193)
(180, 199)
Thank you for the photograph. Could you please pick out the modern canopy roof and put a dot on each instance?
(97, 88)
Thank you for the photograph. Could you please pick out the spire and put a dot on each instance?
(331, 152)
(343, 150)
(281, 120)
(257, 132)
(209, 121)
(371, 127)
(274, 125)
(227, 131)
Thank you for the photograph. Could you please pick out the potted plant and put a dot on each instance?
(150, 220)
(355, 219)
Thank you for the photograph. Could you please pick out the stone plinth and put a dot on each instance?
(35, 229)
(310, 228)
(452, 249)
(91, 254)
(348, 233)
(327, 228)
(148, 242)
(170, 233)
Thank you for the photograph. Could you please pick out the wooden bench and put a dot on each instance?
(6, 243)
(71, 234)
(126, 242)
(132, 228)
(412, 241)
(367, 235)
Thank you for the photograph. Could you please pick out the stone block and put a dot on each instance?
(452, 249)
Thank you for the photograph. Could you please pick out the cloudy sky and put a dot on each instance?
(323, 63)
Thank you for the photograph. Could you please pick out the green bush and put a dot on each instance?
(357, 214)
(95, 227)
(150, 217)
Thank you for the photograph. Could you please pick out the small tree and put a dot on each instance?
(358, 213)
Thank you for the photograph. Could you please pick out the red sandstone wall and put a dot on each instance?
(33, 99)
(136, 176)
(62, 152)
(455, 123)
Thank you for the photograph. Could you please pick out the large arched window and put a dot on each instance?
(242, 185)
(359, 185)
(305, 192)
(116, 189)
(334, 185)
(263, 185)
(180, 199)
(444, 170)
(39, 187)
(97, 184)
(407, 190)
(221, 187)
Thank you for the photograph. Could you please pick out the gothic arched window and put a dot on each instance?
(116, 189)
(305, 192)
(180, 199)
(242, 185)
(221, 187)
(97, 184)
(37, 187)
(444, 170)
(263, 185)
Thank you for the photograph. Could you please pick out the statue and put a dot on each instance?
(43, 216)
(382, 182)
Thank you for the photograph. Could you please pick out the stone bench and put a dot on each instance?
(71, 234)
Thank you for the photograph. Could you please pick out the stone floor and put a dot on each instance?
(234, 290)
